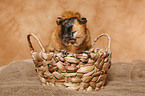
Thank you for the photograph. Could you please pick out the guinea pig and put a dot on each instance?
(70, 34)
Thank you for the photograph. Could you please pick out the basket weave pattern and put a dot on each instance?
(86, 71)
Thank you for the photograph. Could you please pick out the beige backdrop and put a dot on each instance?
(123, 20)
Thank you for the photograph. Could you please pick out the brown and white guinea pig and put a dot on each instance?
(70, 34)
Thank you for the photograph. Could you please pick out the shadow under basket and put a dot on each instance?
(86, 71)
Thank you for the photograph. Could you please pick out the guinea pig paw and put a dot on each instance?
(87, 52)
(64, 52)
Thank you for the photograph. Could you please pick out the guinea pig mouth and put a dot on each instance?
(72, 41)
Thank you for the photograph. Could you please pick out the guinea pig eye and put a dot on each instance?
(59, 20)
(83, 20)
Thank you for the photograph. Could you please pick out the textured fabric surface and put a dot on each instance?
(124, 79)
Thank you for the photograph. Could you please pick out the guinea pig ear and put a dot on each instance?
(59, 20)
(83, 20)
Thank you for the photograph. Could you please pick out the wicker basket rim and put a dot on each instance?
(43, 49)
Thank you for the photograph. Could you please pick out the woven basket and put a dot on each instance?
(86, 71)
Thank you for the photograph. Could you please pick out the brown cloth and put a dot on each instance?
(124, 79)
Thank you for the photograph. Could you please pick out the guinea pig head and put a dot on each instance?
(73, 30)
